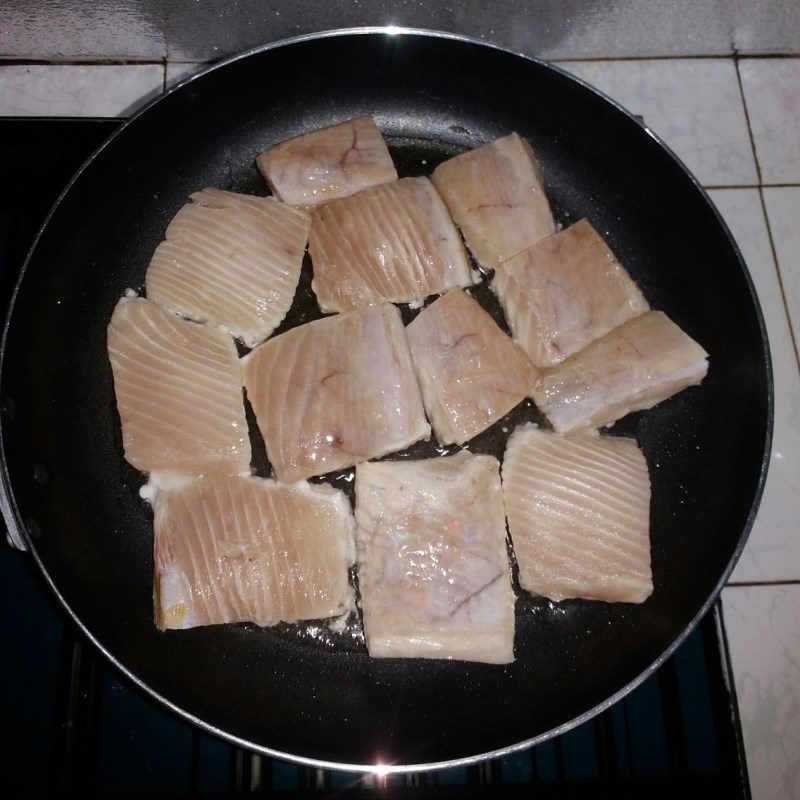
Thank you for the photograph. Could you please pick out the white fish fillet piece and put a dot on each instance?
(244, 549)
(179, 392)
(497, 199)
(232, 260)
(565, 291)
(329, 163)
(579, 515)
(391, 243)
(470, 372)
(432, 560)
(334, 392)
(640, 363)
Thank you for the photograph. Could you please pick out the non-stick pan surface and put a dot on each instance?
(304, 692)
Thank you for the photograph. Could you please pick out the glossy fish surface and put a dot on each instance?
(328, 163)
(391, 243)
(334, 392)
(579, 515)
(496, 196)
(470, 372)
(232, 260)
(635, 366)
(245, 549)
(433, 566)
(564, 292)
(178, 386)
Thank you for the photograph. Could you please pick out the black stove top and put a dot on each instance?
(73, 725)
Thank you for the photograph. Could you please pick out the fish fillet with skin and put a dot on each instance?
(565, 291)
(470, 372)
(578, 512)
(327, 164)
(496, 196)
(179, 392)
(640, 363)
(432, 560)
(231, 260)
(250, 550)
(391, 243)
(334, 392)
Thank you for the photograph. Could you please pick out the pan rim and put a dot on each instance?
(17, 529)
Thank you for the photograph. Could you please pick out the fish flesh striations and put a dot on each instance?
(232, 260)
(179, 392)
(579, 515)
(390, 243)
(245, 549)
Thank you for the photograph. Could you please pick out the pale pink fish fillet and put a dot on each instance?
(244, 549)
(232, 260)
(432, 560)
(565, 291)
(334, 392)
(329, 163)
(390, 243)
(496, 196)
(578, 512)
(179, 392)
(640, 363)
(470, 372)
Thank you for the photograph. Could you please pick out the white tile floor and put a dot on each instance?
(767, 683)
(783, 208)
(77, 91)
(773, 551)
(772, 92)
(696, 106)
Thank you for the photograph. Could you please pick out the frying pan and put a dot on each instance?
(302, 692)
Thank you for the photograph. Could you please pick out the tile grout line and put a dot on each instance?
(772, 248)
(794, 334)
(750, 584)
(79, 62)
(687, 57)
(747, 118)
(733, 695)
(721, 186)
(111, 61)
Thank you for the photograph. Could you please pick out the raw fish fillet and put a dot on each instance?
(394, 242)
(432, 560)
(334, 392)
(250, 550)
(179, 392)
(328, 164)
(496, 197)
(232, 260)
(470, 372)
(635, 366)
(578, 512)
(565, 291)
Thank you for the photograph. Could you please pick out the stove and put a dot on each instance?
(74, 725)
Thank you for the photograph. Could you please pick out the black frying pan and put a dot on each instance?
(300, 692)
